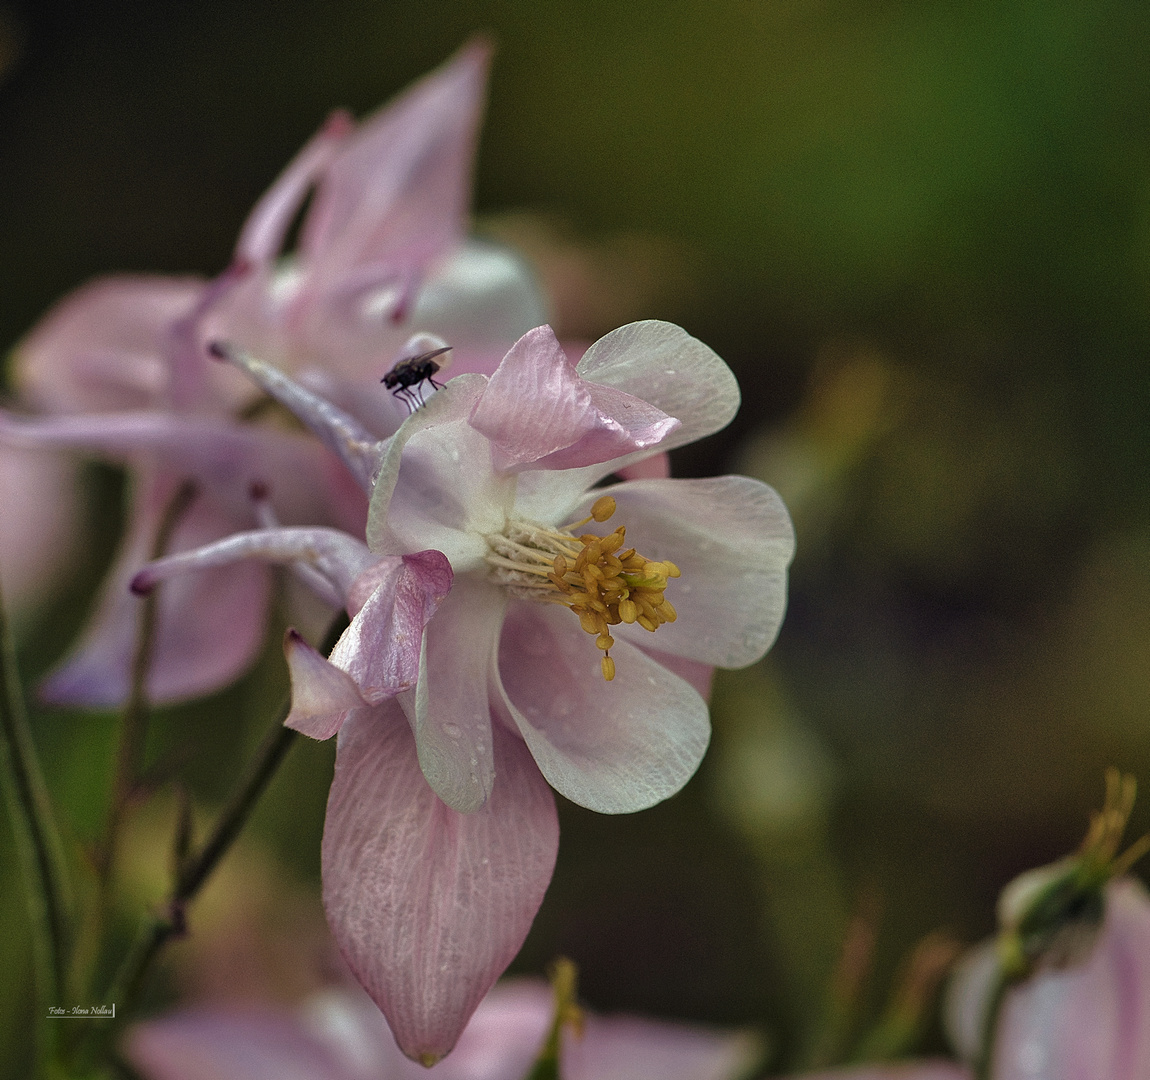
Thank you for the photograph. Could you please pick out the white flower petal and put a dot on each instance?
(450, 707)
(615, 747)
(732, 538)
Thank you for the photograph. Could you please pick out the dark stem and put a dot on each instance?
(44, 868)
(134, 723)
(160, 927)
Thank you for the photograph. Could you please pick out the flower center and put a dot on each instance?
(592, 575)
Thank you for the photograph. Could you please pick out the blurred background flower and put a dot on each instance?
(919, 233)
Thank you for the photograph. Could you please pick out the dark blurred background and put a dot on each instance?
(920, 234)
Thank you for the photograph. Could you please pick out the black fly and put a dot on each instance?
(405, 378)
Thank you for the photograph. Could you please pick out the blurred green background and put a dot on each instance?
(920, 234)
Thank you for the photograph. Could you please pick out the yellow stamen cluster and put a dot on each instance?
(592, 575)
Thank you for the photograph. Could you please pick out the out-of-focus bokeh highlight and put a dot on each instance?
(919, 233)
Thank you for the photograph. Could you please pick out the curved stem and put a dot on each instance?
(41, 851)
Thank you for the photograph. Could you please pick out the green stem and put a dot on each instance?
(41, 851)
(984, 1066)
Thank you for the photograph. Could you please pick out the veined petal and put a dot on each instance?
(732, 539)
(676, 373)
(380, 650)
(537, 410)
(450, 709)
(322, 695)
(208, 628)
(103, 346)
(613, 747)
(243, 1044)
(428, 905)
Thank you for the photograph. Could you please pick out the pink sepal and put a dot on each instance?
(322, 695)
(428, 905)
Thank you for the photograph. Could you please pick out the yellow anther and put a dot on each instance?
(603, 508)
(603, 585)
(672, 570)
(613, 542)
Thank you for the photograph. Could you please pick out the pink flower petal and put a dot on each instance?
(380, 650)
(635, 1049)
(209, 629)
(614, 747)
(322, 695)
(656, 467)
(396, 196)
(732, 539)
(449, 708)
(428, 905)
(1092, 1020)
(103, 346)
(906, 1070)
(248, 1044)
(570, 423)
(267, 225)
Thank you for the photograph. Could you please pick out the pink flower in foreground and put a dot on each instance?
(441, 834)
(118, 366)
(341, 1036)
(1087, 1020)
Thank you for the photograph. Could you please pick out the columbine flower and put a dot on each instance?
(430, 886)
(340, 1036)
(119, 367)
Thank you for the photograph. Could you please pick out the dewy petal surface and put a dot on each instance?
(428, 905)
(732, 538)
(450, 708)
(613, 747)
(536, 409)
